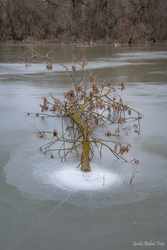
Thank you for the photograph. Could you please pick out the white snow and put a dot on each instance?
(74, 179)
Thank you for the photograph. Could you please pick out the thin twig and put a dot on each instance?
(133, 175)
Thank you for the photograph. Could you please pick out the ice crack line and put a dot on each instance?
(46, 216)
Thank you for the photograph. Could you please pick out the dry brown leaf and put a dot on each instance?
(74, 61)
(115, 148)
(120, 121)
(108, 133)
(136, 161)
(129, 112)
(92, 79)
(55, 133)
(73, 68)
(49, 66)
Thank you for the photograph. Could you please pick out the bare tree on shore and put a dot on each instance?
(83, 20)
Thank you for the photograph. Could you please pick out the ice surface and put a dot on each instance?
(37, 176)
(149, 55)
(19, 69)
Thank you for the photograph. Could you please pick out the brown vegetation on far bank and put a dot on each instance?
(86, 21)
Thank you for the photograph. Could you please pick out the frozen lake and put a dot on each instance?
(48, 204)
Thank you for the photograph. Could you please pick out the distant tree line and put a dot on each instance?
(83, 20)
